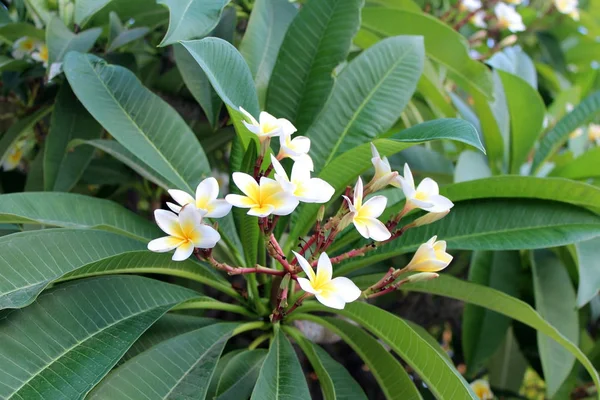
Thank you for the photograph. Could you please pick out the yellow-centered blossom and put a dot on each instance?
(508, 18)
(24, 46)
(267, 125)
(426, 196)
(482, 389)
(262, 199)
(301, 185)
(431, 256)
(364, 216)
(297, 149)
(383, 172)
(41, 55)
(206, 199)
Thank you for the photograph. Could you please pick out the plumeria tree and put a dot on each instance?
(279, 199)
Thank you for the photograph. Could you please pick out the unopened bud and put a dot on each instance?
(380, 183)
(321, 213)
(508, 41)
(346, 220)
(422, 276)
(428, 218)
(479, 35)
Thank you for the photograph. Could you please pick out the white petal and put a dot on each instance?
(300, 144)
(173, 207)
(208, 188)
(305, 266)
(374, 207)
(286, 126)
(317, 191)
(439, 204)
(408, 177)
(306, 160)
(237, 200)
(220, 209)
(306, 285)
(361, 227)
(358, 193)
(377, 229)
(252, 128)
(249, 116)
(332, 300)
(285, 203)
(183, 252)
(261, 212)
(190, 218)
(349, 203)
(168, 222)
(208, 237)
(182, 198)
(324, 269)
(428, 186)
(374, 151)
(279, 170)
(346, 289)
(246, 183)
(164, 244)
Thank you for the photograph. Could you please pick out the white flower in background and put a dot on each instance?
(383, 172)
(262, 199)
(514, 2)
(267, 125)
(333, 293)
(185, 231)
(297, 149)
(222, 179)
(566, 6)
(594, 133)
(482, 389)
(301, 185)
(16, 153)
(574, 14)
(508, 18)
(470, 5)
(24, 47)
(364, 216)
(479, 20)
(41, 55)
(206, 199)
(426, 196)
(431, 256)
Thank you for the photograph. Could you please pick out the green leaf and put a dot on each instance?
(74, 211)
(10, 64)
(527, 112)
(302, 75)
(438, 372)
(184, 364)
(62, 345)
(19, 129)
(127, 37)
(223, 362)
(60, 40)
(555, 302)
(367, 98)
(442, 43)
(16, 30)
(559, 134)
(267, 26)
(335, 381)
(191, 19)
(587, 254)
(483, 331)
(508, 365)
(140, 120)
(70, 120)
(58, 251)
(40, 9)
(583, 167)
(281, 375)
(344, 169)
(85, 9)
(503, 304)
(470, 166)
(516, 62)
(240, 374)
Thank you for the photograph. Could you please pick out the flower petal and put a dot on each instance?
(286, 126)
(219, 209)
(168, 222)
(253, 120)
(283, 203)
(164, 244)
(305, 267)
(190, 218)
(246, 184)
(206, 191)
(428, 186)
(262, 212)
(374, 151)
(377, 230)
(237, 200)
(252, 128)
(279, 170)
(175, 208)
(182, 198)
(361, 227)
(324, 270)
(331, 299)
(306, 286)
(207, 237)
(345, 288)
(373, 207)
(300, 145)
(358, 193)
(316, 191)
(183, 252)
(439, 204)
(408, 177)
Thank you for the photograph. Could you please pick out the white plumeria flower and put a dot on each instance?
(206, 199)
(267, 125)
(482, 389)
(301, 185)
(514, 2)
(24, 47)
(574, 14)
(383, 172)
(297, 149)
(14, 156)
(431, 256)
(185, 231)
(426, 196)
(470, 5)
(262, 199)
(333, 293)
(566, 6)
(594, 133)
(479, 20)
(364, 216)
(508, 18)
(41, 55)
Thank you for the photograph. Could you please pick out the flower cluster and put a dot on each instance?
(271, 193)
(30, 47)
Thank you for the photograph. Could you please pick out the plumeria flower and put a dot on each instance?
(24, 47)
(267, 125)
(41, 55)
(297, 149)
(383, 172)
(514, 2)
(262, 199)
(301, 185)
(333, 293)
(566, 6)
(431, 256)
(185, 231)
(470, 5)
(14, 156)
(479, 20)
(364, 216)
(206, 199)
(508, 18)
(482, 389)
(594, 133)
(426, 196)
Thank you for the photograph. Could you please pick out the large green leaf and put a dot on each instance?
(41, 9)
(559, 134)
(442, 43)
(127, 36)
(527, 112)
(583, 167)
(74, 211)
(16, 30)
(334, 379)
(191, 19)
(185, 365)
(140, 120)
(503, 304)
(344, 169)
(19, 129)
(239, 376)
(58, 251)
(554, 301)
(367, 98)
(140, 12)
(437, 371)
(317, 41)
(267, 26)
(508, 365)
(62, 345)
(588, 253)
(515, 61)
(281, 375)
(84, 9)
(483, 330)
(10, 64)
(70, 120)
(60, 40)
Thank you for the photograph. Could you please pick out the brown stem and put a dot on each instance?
(277, 254)
(258, 269)
(298, 303)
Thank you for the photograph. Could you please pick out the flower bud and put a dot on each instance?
(508, 41)
(428, 218)
(422, 276)
(430, 257)
(346, 220)
(321, 213)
